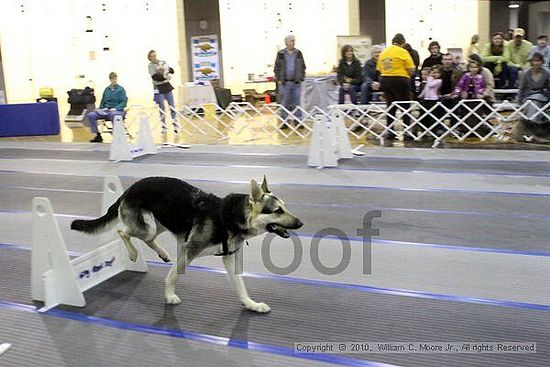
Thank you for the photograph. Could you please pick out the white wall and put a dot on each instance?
(450, 22)
(46, 44)
(253, 31)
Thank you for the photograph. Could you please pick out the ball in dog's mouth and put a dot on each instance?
(278, 230)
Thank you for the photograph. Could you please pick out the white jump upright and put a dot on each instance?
(122, 150)
(329, 141)
(4, 347)
(58, 279)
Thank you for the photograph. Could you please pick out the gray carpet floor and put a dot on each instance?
(462, 256)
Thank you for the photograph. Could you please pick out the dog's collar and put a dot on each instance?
(225, 248)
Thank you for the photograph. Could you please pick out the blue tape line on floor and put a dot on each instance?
(346, 286)
(193, 336)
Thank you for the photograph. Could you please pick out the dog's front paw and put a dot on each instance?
(164, 256)
(172, 299)
(259, 307)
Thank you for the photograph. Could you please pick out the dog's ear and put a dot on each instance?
(265, 188)
(255, 191)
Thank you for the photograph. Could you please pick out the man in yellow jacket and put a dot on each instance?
(496, 56)
(396, 68)
(518, 49)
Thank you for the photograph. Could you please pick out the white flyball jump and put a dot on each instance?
(4, 347)
(58, 279)
(122, 150)
(329, 141)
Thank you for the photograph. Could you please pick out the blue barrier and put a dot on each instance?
(29, 119)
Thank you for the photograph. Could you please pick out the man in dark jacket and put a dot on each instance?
(416, 60)
(290, 71)
(449, 77)
(435, 58)
(371, 75)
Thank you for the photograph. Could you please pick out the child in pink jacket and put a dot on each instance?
(428, 98)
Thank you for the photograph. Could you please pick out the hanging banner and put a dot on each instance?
(206, 58)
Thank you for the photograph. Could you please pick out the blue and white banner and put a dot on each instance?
(205, 58)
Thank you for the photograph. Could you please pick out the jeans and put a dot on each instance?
(366, 93)
(159, 100)
(352, 91)
(507, 77)
(289, 96)
(511, 75)
(104, 115)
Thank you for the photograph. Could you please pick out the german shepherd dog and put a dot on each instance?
(203, 224)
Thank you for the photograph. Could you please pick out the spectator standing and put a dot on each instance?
(161, 74)
(435, 57)
(349, 75)
(519, 50)
(416, 60)
(396, 67)
(473, 47)
(449, 78)
(543, 49)
(113, 102)
(290, 72)
(424, 74)
(371, 76)
(430, 96)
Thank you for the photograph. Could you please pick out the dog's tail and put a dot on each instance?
(101, 224)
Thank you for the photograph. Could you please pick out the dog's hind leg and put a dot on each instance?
(132, 250)
(142, 225)
(159, 250)
(154, 228)
(135, 227)
(239, 287)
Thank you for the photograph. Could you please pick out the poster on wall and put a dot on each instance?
(362, 46)
(206, 58)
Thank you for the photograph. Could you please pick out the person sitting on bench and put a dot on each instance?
(112, 104)
(534, 87)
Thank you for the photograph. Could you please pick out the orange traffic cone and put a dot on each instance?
(267, 98)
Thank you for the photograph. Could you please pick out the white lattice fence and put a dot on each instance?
(465, 119)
